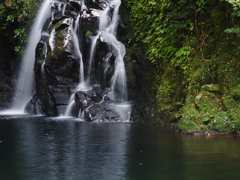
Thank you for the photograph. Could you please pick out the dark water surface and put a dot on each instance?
(38, 148)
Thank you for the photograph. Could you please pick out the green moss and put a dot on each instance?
(16, 17)
(210, 87)
(198, 73)
(87, 34)
(210, 111)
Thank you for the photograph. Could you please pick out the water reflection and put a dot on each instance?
(161, 154)
(58, 149)
(156, 154)
(211, 157)
(37, 148)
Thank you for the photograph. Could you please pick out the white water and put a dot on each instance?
(119, 78)
(103, 24)
(70, 106)
(77, 48)
(24, 88)
(104, 20)
(81, 114)
(92, 52)
(106, 33)
(43, 78)
(83, 5)
(52, 40)
(81, 85)
(118, 89)
(115, 18)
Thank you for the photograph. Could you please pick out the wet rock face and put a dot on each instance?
(43, 103)
(93, 108)
(57, 63)
(6, 69)
(6, 92)
(96, 4)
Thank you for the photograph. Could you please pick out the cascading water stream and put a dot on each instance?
(24, 88)
(107, 33)
(77, 49)
(118, 89)
(78, 52)
(113, 26)
(103, 24)
(104, 19)
(119, 77)
(83, 5)
(92, 52)
(101, 93)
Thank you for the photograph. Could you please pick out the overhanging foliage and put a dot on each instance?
(193, 44)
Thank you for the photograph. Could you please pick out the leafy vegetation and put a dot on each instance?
(15, 18)
(194, 45)
(194, 51)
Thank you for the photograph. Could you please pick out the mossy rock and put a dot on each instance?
(210, 87)
(207, 101)
(206, 112)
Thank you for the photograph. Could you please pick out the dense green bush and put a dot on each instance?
(15, 18)
(192, 44)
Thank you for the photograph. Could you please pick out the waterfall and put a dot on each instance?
(107, 29)
(107, 33)
(77, 48)
(67, 52)
(92, 52)
(24, 87)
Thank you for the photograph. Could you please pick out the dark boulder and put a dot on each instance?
(43, 104)
(94, 107)
(103, 112)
